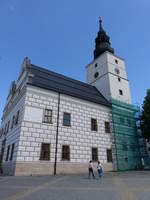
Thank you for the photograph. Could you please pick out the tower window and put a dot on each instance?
(120, 92)
(96, 64)
(96, 74)
(119, 79)
(116, 61)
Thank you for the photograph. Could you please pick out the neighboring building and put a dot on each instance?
(54, 123)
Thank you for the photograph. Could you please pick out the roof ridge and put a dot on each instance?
(61, 75)
(95, 92)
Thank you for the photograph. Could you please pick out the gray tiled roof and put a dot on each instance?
(46, 79)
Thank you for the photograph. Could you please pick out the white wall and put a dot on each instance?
(79, 136)
(115, 85)
(107, 81)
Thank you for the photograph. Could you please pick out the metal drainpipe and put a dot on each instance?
(55, 164)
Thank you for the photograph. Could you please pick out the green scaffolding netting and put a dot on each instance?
(129, 143)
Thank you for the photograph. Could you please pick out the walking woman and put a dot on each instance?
(91, 169)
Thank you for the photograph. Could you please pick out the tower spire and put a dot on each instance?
(102, 41)
(100, 23)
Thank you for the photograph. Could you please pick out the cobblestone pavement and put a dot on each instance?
(112, 186)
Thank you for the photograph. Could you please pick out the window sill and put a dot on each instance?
(66, 125)
(46, 123)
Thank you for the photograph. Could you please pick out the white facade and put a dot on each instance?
(111, 78)
(31, 132)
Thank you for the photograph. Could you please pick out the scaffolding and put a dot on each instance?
(130, 146)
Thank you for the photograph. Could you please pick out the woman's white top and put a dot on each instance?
(91, 165)
(99, 166)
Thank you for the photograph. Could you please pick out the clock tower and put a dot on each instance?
(107, 71)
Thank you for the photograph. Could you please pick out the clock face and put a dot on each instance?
(117, 71)
(96, 75)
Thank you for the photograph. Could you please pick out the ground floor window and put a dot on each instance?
(109, 155)
(65, 152)
(45, 151)
(94, 154)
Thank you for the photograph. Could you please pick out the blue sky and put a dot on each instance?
(60, 34)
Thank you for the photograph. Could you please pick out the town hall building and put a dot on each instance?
(55, 124)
